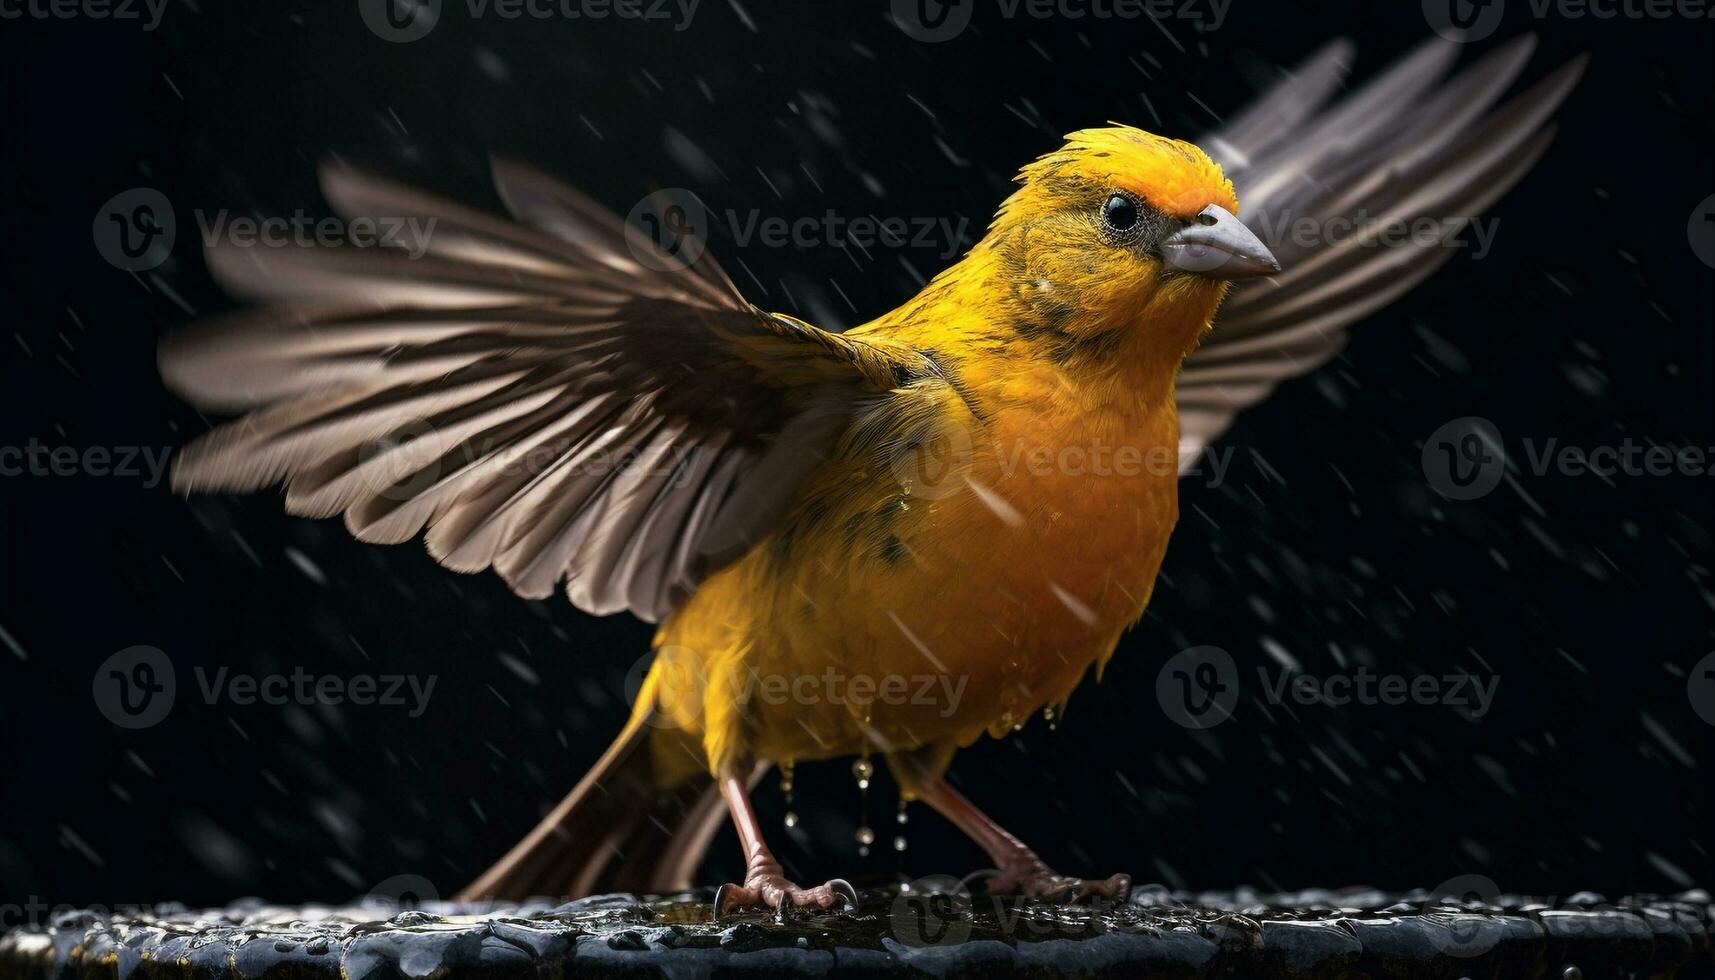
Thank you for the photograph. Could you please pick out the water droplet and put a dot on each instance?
(862, 768)
(899, 843)
(902, 816)
(786, 791)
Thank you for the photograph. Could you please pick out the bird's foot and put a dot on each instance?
(1033, 879)
(765, 887)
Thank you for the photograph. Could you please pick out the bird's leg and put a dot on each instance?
(1020, 870)
(765, 885)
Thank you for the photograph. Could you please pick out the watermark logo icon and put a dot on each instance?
(1464, 459)
(680, 685)
(934, 464)
(402, 463)
(400, 21)
(1700, 688)
(1199, 687)
(135, 687)
(1701, 231)
(135, 230)
(1465, 934)
(403, 892)
(933, 911)
(668, 230)
(933, 21)
(1463, 20)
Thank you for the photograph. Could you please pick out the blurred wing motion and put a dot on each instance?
(560, 401)
(1404, 149)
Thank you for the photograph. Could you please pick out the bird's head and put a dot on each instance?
(1120, 232)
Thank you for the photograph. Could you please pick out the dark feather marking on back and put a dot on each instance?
(945, 371)
(894, 551)
(805, 520)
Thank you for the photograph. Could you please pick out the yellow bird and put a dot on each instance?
(892, 540)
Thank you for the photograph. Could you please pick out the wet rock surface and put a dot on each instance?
(940, 930)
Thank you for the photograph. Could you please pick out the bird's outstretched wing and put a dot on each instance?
(557, 400)
(1333, 190)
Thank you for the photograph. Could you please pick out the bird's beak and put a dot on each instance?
(1219, 246)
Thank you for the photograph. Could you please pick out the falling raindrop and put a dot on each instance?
(863, 769)
(899, 842)
(901, 816)
(786, 791)
(1048, 716)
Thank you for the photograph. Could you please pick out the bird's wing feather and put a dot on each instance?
(1403, 148)
(550, 399)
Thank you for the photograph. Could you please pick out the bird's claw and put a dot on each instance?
(771, 891)
(848, 895)
(1041, 883)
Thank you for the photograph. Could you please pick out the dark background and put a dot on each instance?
(1589, 598)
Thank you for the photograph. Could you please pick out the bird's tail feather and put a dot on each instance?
(620, 829)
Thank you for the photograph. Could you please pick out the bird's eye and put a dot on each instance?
(1119, 212)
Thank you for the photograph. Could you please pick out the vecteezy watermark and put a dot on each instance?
(413, 455)
(947, 236)
(933, 21)
(1700, 688)
(125, 462)
(1199, 687)
(136, 688)
(147, 12)
(402, 892)
(1456, 907)
(932, 911)
(683, 682)
(410, 234)
(1474, 20)
(1469, 916)
(838, 687)
(401, 21)
(670, 228)
(939, 910)
(1700, 231)
(35, 912)
(1474, 232)
(1364, 688)
(135, 230)
(940, 463)
(410, 691)
(1465, 459)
